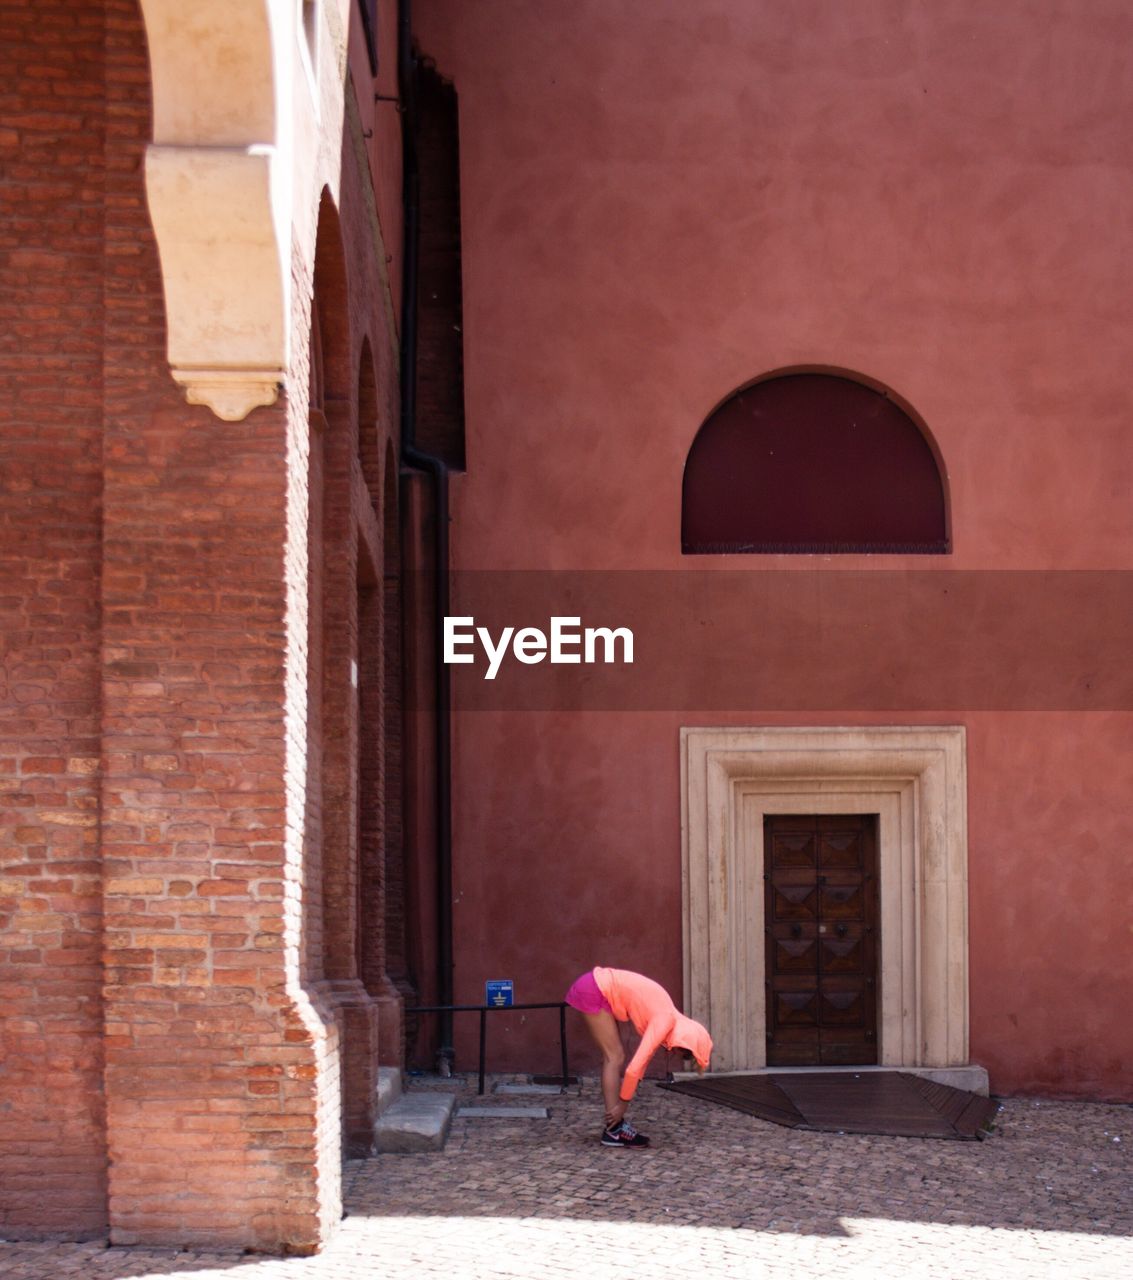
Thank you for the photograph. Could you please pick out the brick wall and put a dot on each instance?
(418, 759)
(175, 662)
(393, 819)
(52, 120)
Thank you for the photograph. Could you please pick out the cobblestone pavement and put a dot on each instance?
(719, 1194)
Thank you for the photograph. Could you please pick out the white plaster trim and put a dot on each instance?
(915, 780)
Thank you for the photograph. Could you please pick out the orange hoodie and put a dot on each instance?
(637, 999)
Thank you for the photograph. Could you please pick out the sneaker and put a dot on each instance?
(623, 1135)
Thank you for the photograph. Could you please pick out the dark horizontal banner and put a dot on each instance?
(792, 640)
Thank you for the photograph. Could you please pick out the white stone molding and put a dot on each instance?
(915, 780)
(230, 393)
(218, 183)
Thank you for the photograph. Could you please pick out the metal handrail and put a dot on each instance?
(484, 1009)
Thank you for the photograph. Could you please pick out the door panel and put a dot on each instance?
(795, 956)
(793, 850)
(840, 851)
(841, 902)
(797, 1008)
(842, 957)
(821, 930)
(794, 902)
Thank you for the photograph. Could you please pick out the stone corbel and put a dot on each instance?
(217, 183)
(225, 301)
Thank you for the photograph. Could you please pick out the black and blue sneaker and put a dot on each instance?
(623, 1134)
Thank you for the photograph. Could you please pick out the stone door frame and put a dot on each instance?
(915, 780)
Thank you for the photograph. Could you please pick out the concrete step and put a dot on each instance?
(415, 1122)
(389, 1088)
(483, 1111)
(534, 1090)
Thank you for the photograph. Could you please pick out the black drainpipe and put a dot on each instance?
(412, 456)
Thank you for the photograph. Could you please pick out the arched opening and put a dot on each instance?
(371, 877)
(344, 561)
(371, 887)
(313, 957)
(331, 297)
(809, 461)
(316, 382)
(331, 750)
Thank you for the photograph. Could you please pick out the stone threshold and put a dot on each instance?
(973, 1078)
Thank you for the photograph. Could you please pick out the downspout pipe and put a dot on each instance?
(437, 468)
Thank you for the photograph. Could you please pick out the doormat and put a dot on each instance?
(892, 1103)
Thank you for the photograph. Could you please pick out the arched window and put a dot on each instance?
(812, 462)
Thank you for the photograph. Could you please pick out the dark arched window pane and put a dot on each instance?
(812, 462)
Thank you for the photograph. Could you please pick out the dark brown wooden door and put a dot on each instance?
(821, 921)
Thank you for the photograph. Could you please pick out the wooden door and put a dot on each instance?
(820, 876)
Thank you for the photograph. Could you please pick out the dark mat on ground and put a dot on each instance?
(879, 1102)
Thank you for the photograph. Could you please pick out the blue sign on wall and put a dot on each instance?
(500, 993)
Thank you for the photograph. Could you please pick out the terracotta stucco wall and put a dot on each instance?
(661, 202)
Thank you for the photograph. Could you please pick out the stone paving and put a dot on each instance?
(719, 1194)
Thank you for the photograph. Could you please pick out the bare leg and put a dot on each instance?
(603, 1027)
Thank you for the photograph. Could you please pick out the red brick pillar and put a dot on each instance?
(221, 1074)
(221, 1078)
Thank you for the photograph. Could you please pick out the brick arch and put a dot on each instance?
(814, 460)
(316, 393)
(334, 562)
(344, 770)
(331, 299)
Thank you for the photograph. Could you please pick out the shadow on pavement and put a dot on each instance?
(718, 1192)
(1047, 1166)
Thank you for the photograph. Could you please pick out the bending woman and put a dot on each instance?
(606, 997)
